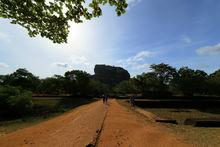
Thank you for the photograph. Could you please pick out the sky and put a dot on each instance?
(175, 32)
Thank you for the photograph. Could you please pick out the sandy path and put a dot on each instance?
(77, 128)
(124, 128)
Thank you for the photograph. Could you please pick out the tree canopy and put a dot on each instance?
(50, 18)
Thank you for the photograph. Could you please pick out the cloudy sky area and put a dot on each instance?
(177, 32)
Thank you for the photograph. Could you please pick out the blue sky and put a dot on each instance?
(176, 32)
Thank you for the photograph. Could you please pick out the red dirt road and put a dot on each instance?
(81, 127)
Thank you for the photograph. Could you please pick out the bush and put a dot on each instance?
(14, 101)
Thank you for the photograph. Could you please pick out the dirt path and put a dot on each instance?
(124, 128)
(80, 126)
(77, 128)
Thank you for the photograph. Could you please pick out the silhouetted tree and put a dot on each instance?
(22, 78)
(52, 85)
(191, 81)
(126, 87)
(213, 81)
(77, 82)
(97, 88)
(164, 72)
(51, 18)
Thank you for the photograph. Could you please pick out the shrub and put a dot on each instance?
(14, 101)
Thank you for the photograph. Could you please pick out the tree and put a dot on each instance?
(51, 19)
(213, 81)
(150, 84)
(22, 78)
(191, 81)
(97, 88)
(77, 82)
(14, 101)
(52, 85)
(126, 87)
(164, 72)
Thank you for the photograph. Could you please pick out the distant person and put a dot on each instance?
(103, 98)
(132, 101)
(106, 99)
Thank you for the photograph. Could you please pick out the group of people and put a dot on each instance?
(105, 99)
(132, 100)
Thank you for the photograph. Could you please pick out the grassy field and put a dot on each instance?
(197, 135)
(44, 109)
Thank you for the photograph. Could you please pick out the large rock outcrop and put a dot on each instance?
(110, 75)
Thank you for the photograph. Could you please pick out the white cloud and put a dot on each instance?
(143, 66)
(61, 64)
(137, 62)
(141, 56)
(3, 65)
(186, 39)
(209, 50)
(134, 60)
(132, 2)
(76, 60)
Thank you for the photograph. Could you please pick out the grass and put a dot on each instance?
(44, 109)
(200, 136)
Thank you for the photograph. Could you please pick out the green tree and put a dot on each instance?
(51, 19)
(213, 81)
(164, 72)
(22, 78)
(191, 81)
(52, 85)
(148, 83)
(126, 87)
(97, 88)
(77, 82)
(14, 101)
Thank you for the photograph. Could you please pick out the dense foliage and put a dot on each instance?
(164, 80)
(14, 101)
(51, 18)
(161, 80)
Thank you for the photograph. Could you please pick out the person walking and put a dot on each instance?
(106, 99)
(103, 98)
(132, 101)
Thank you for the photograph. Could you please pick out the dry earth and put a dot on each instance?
(103, 126)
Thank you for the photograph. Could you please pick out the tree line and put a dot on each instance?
(17, 88)
(161, 79)
(165, 80)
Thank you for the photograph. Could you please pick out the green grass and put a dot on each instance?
(44, 109)
(13, 125)
(200, 136)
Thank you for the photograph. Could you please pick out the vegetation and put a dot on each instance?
(163, 80)
(16, 89)
(43, 109)
(201, 136)
(51, 19)
(14, 102)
